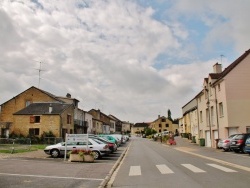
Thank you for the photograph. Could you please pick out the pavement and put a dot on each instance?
(238, 160)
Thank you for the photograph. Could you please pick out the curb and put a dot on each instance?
(107, 178)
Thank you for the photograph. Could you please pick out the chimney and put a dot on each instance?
(217, 68)
(68, 95)
(50, 108)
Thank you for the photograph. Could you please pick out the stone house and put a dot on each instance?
(18, 103)
(163, 124)
(139, 128)
(38, 118)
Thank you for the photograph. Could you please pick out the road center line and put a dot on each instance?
(55, 177)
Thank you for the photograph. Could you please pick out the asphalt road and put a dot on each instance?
(37, 170)
(149, 164)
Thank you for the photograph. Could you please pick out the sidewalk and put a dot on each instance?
(185, 145)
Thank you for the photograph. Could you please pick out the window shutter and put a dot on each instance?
(32, 119)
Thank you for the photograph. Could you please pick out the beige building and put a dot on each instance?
(163, 124)
(38, 118)
(223, 106)
(139, 128)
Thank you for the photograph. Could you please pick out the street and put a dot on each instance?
(41, 171)
(152, 164)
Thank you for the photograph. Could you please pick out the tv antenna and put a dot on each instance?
(39, 72)
(221, 56)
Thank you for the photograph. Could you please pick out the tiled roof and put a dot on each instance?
(43, 109)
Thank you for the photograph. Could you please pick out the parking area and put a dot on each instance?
(36, 169)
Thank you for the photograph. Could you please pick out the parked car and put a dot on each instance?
(109, 138)
(238, 142)
(247, 145)
(119, 137)
(112, 146)
(225, 143)
(99, 149)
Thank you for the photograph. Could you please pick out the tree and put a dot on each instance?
(169, 115)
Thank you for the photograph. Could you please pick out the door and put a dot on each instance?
(208, 140)
(232, 130)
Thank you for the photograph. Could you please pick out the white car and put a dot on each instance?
(99, 149)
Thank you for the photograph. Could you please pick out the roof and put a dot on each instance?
(141, 125)
(47, 93)
(43, 109)
(233, 65)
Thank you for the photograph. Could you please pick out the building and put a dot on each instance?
(163, 124)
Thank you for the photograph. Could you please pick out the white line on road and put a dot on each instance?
(164, 169)
(193, 168)
(222, 168)
(56, 177)
(216, 160)
(135, 171)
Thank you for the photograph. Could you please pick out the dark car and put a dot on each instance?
(238, 142)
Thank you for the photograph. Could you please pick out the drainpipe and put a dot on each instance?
(217, 118)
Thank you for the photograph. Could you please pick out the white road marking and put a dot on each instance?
(56, 177)
(222, 168)
(216, 160)
(135, 171)
(164, 169)
(193, 168)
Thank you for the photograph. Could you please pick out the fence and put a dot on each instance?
(10, 145)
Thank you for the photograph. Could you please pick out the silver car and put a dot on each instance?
(99, 149)
(225, 143)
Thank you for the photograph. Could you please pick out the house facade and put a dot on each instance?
(223, 105)
(163, 124)
(20, 102)
(39, 118)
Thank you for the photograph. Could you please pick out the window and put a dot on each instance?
(201, 120)
(163, 120)
(218, 87)
(35, 119)
(159, 125)
(207, 116)
(34, 132)
(212, 115)
(167, 125)
(221, 109)
(68, 119)
(27, 103)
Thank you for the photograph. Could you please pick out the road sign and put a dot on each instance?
(77, 138)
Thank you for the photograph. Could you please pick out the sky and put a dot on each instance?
(134, 59)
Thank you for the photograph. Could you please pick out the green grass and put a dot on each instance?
(7, 148)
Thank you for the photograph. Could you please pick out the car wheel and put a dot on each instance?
(54, 153)
(243, 149)
(96, 155)
(236, 150)
(225, 149)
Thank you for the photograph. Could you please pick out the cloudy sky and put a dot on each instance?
(134, 59)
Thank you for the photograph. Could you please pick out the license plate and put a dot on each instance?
(233, 142)
(248, 144)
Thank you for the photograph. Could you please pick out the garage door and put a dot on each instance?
(208, 140)
(215, 133)
(232, 130)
